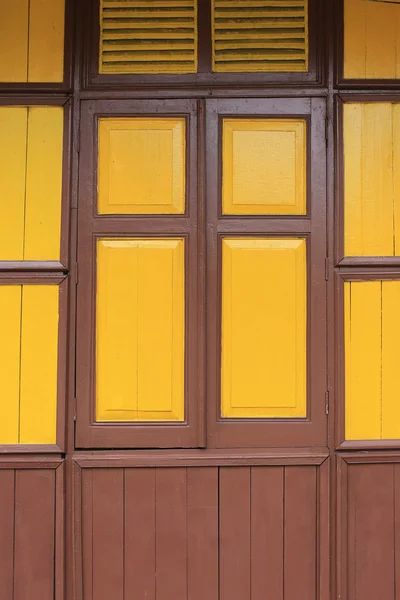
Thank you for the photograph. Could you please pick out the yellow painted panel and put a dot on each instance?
(140, 328)
(13, 141)
(371, 40)
(44, 184)
(371, 179)
(390, 360)
(39, 357)
(264, 323)
(141, 166)
(46, 41)
(264, 166)
(14, 41)
(10, 348)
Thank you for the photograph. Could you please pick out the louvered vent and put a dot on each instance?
(148, 36)
(260, 35)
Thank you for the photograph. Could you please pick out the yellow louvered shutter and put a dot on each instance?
(148, 36)
(260, 35)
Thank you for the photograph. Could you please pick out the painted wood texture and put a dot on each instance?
(32, 41)
(372, 333)
(27, 533)
(141, 165)
(371, 179)
(31, 152)
(28, 363)
(260, 36)
(138, 36)
(229, 533)
(264, 166)
(140, 330)
(264, 322)
(371, 39)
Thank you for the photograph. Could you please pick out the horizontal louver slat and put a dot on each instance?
(260, 35)
(142, 36)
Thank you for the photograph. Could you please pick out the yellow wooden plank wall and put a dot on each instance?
(32, 41)
(372, 374)
(372, 179)
(31, 150)
(141, 166)
(264, 322)
(28, 363)
(264, 166)
(140, 329)
(371, 40)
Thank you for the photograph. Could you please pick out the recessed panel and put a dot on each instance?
(140, 330)
(264, 320)
(264, 167)
(141, 166)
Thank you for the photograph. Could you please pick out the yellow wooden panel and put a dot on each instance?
(13, 140)
(363, 344)
(390, 359)
(10, 347)
(141, 166)
(39, 357)
(46, 41)
(264, 166)
(14, 41)
(264, 322)
(140, 330)
(371, 179)
(371, 40)
(44, 184)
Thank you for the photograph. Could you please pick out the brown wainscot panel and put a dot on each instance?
(201, 525)
(31, 529)
(368, 526)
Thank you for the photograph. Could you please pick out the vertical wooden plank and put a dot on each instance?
(300, 533)
(396, 161)
(140, 534)
(108, 534)
(355, 14)
(46, 41)
(390, 359)
(7, 504)
(267, 504)
(14, 41)
(34, 535)
(86, 525)
(39, 357)
(44, 183)
(380, 48)
(202, 533)
(234, 490)
(353, 172)
(371, 536)
(13, 143)
(171, 532)
(396, 470)
(10, 353)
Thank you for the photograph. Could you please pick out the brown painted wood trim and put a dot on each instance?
(10, 449)
(59, 534)
(30, 462)
(324, 532)
(31, 265)
(373, 457)
(341, 557)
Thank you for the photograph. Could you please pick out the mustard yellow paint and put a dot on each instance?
(264, 323)
(31, 151)
(141, 166)
(159, 38)
(28, 363)
(140, 330)
(32, 41)
(263, 36)
(372, 377)
(371, 40)
(371, 179)
(264, 166)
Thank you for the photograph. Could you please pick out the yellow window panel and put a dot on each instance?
(28, 363)
(371, 40)
(32, 41)
(138, 36)
(31, 151)
(264, 166)
(140, 330)
(266, 36)
(141, 166)
(372, 377)
(264, 323)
